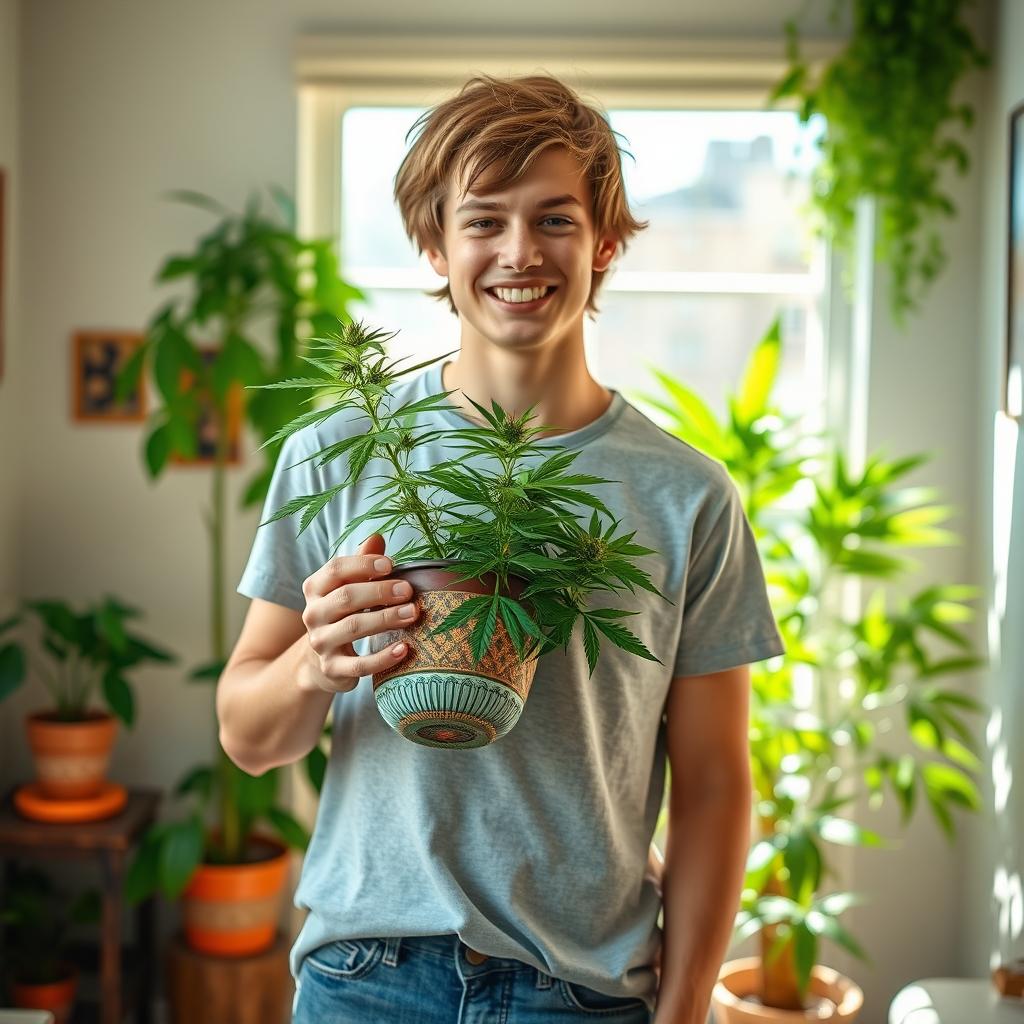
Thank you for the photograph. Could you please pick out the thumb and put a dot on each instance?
(373, 545)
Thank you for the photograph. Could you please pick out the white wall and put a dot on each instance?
(992, 908)
(120, 102)
(10, 406)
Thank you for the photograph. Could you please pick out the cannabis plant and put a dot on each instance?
(505, 516)
(86, 650)
(871, 670)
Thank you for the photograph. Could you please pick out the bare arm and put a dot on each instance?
(708, 837)
(276, 689)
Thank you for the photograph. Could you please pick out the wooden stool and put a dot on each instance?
(205, 989)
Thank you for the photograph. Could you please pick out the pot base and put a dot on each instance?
(453, 729)
(31, 802)
(448, 709)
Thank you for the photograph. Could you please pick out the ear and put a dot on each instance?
(437, 259)
(604, 252)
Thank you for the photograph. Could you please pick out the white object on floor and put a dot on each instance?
(954, 1001)
(25, 1017)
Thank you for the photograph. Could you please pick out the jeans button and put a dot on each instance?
(474, 957)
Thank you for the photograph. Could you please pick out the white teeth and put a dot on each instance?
(520, 294)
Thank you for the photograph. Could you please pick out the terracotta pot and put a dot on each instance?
(832, 996)
(58, 997)
(233, 909)
(437, 695)
(71, 758)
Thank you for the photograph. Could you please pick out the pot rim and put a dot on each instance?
(93, 716)
(71, 973)
(852, 995)
(445, 563)
(280, 847)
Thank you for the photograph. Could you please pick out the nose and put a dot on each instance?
(519, 250)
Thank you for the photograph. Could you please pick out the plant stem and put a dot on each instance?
(407, 491)
(230, 819)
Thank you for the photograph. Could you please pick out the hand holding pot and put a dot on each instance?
(350, 597)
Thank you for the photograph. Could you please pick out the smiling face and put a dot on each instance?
(538, 232)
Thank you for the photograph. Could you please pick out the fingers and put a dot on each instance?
(344, 569)
(351, 597)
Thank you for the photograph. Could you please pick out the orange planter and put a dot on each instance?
(233, 909)
(57, 997)
(71, 757)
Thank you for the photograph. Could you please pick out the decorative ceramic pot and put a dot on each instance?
(71, 758)
(437, 695)
(832, 996)
(232, 909)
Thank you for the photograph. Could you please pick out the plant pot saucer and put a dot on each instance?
(30, 802)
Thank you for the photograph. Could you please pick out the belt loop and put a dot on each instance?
(391, 948)
(544, 980)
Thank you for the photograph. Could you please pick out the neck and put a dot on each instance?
(565, 396)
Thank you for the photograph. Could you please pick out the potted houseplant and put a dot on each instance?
(226, 856)
(38, 972)
(87, 650)
(501, 565)
(871, 670)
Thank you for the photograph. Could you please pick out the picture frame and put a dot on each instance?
(206, 439)
(97, 358)
(1013, 381)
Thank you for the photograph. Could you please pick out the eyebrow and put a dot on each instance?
(544, 204)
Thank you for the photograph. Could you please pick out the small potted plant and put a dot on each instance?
(229, 883)
(71, 740)
(38, 972)
(502, 564)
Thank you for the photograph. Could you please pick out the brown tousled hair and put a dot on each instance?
(506, 123)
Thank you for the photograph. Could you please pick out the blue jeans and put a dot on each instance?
(430, 980)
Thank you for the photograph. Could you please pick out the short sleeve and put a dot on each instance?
(727, 619)
(281, 558)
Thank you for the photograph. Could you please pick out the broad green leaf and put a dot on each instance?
(199, 780)
(158, 449)
(12, 669)
(316, 768)
(119, 696)
(288, 828)
(759, 376)
(181, 852)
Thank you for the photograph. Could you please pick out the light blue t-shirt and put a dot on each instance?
(535, 846)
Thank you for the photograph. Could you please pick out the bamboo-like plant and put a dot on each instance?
(506, 517)
(250, 275)
(870, 669)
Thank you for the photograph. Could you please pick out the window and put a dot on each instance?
(726, 249)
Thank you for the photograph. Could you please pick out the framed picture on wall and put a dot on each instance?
(97, 358)
(206, 437)
(1013, 391)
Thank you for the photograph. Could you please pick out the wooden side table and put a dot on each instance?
(108, 842)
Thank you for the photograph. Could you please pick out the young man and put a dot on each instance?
(511, 882)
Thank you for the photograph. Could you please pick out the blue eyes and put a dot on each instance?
(489, 220)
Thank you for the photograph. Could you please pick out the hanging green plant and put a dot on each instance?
(885, 99)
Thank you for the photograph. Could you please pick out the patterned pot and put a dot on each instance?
(436, 695)
(71, 758)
